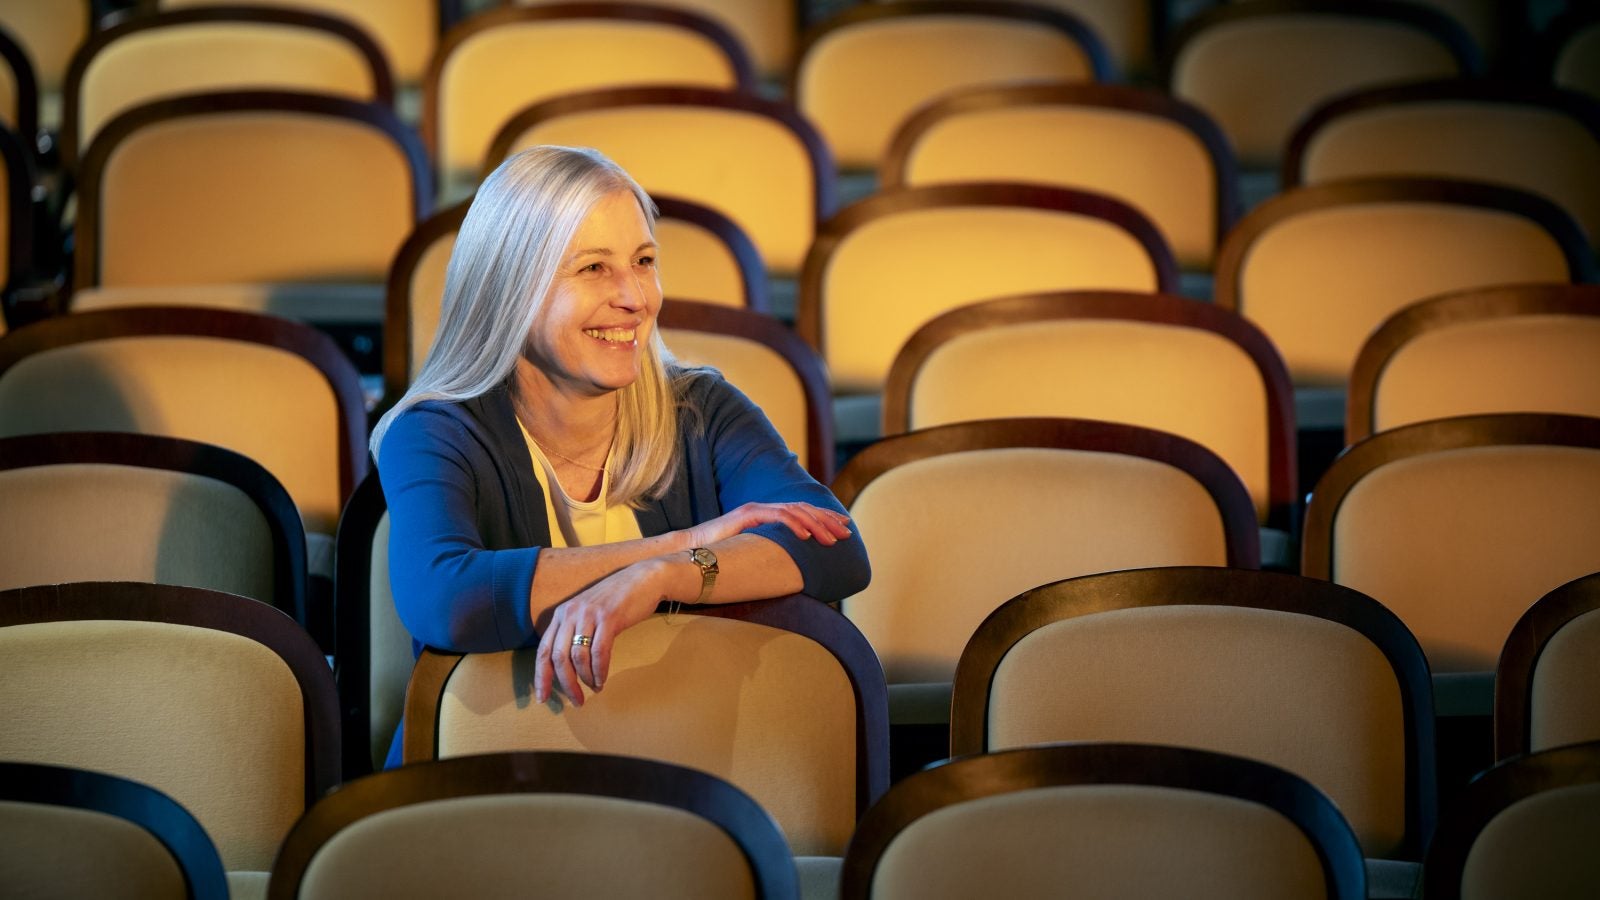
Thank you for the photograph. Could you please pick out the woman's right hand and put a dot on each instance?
(806, 521)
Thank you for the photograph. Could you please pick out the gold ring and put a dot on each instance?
(581, 640)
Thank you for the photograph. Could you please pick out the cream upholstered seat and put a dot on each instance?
(373, 657)
(889, 263)
(572, 823)
(1153, 360)
(756, 161)
(1108, 820)
(218, 701)
(1318, 268)
(767, 29)
(1540, 140)
(765, 360)
(1523, 830)
(88, 506)
(703, 256)
(1459, 525)
(1161, 156)
(67, 832)
(1127, 29)
(1514, 348)
(1257, 70)
(494, 64)
(1574, 52)
(783, 698)
(962, 517)
(249, 188)
(865, 70)
(48, 34)
(168, 54)
(1545, 683)
(1306, 675)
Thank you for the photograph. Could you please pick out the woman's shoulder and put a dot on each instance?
(469, 421)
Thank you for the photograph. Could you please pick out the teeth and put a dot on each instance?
(612, 335)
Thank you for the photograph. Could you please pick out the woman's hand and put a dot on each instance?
(599, 612)
(806, 521)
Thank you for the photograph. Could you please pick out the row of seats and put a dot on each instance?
(784, 700)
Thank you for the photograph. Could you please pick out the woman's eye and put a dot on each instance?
(593, 267)
(646, 261)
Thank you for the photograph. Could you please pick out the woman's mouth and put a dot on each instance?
(611, 335)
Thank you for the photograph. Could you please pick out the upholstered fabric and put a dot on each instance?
(858, 84)
(1106, 841)
(819, 876)
(390, 654)
(425, 296)
(956, 535)
(696, 264)
(1577, 66)
(490, 77)
(49, 33)
(765, 28)
(1257, 77)
(403, 29)
(1459, 543)
(950, 256)
(501, 845)
(1320, 282)
(1539, 150)
(93, 522)
(341, 303)
(212, 719)
(1540, 848)
(248, 885)
(253, 196)
(1153, 164)
(58, 851)
(750, 168)
(216, 56)
(1303, 693)
(1565, 706)
(265, 403)
(1531, 363)
(768, 710)
(1185, 381)
(757, 370)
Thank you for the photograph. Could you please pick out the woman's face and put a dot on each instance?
(602, 305)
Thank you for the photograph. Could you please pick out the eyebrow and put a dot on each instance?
(606, 251)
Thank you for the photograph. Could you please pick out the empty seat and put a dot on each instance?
(1574, 50)
(48, 34)
(767, 29)
(1545, 684)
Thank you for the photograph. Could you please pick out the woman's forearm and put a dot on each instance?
(564, 571)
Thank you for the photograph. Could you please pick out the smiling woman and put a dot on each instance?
(552, 474)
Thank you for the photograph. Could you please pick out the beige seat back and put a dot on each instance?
(1319, 268)
(374, 649)
(770, 710)
(1035, 500)
(1540, 141)
(766, 29)
(1156, 361)
(703, 255)
(253, 188)
(1320, 681)
(1524, 348)
(1459, 525)
(1123, 26)
(170, 54)
(890, 263)
(1258, 71)
(1544, 683)
(495, 64)
(755, 161)
(864, 71)
(1163, 157)
(233, 721)
(49, 33)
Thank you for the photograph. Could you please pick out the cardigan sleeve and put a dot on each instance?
(752, 464)
(450, 588)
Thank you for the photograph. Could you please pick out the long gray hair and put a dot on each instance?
(504, 262)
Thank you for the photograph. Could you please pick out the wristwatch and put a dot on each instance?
(707, 561)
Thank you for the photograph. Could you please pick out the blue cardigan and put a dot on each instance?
(468, 520)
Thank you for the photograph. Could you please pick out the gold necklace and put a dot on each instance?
(559, 455)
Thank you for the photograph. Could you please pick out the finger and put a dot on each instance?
(600, 655)
(543, 673)
(561, 659)
(580, 654)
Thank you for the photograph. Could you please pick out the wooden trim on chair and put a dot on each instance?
(1113, 97)
(1234, 507)
(473, 27)
(397, 336)
(711, 318)
(1444, 311)
(752, 269)
(1087, 764)
(1562, 228)
(307, 19)
(832, 233)
(1207, 586)
(86, 269)
(1513, 680)
(352, 588)
(636, 779)
(1161, 309)
(293, 337)
(16, 59)
(200, 608)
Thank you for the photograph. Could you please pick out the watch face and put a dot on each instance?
(704, 557)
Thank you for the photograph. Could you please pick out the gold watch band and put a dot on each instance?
(707, 561)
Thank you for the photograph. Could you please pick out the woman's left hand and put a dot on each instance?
(599, 612)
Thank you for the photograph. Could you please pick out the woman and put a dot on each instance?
(552, 475)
